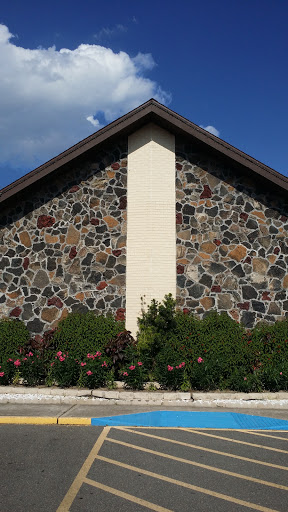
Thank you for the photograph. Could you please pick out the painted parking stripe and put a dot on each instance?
(196, 488)
(263, 447)
(193, 419)
(202, 448)
(198, 464)
(126, 496)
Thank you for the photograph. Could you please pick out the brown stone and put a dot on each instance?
(123, 203)
(116, 253)
(238, 253)
(80, 296)
(274, 309)
(45, 221)
(234, 314)
(55, 301)
(206, 192)
(204, 256)
(75, 267)
(285, 281)
(183, 261)
(244, 216)
(258, 214)
(110, 174)
(243, 305)
(110, 221)
(266, 296)
(16, 312)
(14, 295)
(260, 265)
(25, 239)
(119, 280)
(208, 247)
(179, 218)
(50, 239)
(180, 269)
(121, 242)
(49, 314)
(207, 302)
(73, 236)
(217, 242)
(101, 257)
(102, 285)
(216, 288)
(181, 251)
(120, 314)
(272, 258)
(94, 202)
(73, 253)
(224, 301)
(184, 235)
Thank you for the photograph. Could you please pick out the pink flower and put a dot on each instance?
(59, 353)
(170, 368)
(177, 367)
(61, 358)
(104, 364)
(183, 364)
(98, 354)
(83, 364)
(200, 360)
(52, 364)
(30, 354)
(125, 374)
(89, 372)
(245, 378)
(280, 373)
(139, 363)
(17, 362)
(2, 374)
(24, 358)
(131, 367)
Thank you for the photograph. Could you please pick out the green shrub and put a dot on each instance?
(80, 334)
(65, 370)
(94, 370)
(134, 375)
(169, 369)
(154, 325)
(13, 334)
(32, 369)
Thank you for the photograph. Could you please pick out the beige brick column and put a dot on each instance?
(151, 231)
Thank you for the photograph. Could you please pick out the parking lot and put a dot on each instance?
(61, 468)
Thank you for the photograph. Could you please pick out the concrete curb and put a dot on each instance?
(54, 395)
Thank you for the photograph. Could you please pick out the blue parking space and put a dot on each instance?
(191, 419)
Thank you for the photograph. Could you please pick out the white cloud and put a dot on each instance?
(107, 32)
(211, 129)
(50, 99)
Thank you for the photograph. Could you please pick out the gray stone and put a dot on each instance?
(41, 279)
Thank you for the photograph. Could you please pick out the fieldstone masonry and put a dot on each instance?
(63, 242)
(64, 249)
(232, 252)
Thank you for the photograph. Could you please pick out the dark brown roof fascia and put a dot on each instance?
(151, 110)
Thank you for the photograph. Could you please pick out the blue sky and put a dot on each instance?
(68, 68)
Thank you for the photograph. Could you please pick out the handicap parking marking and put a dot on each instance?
(106, 438)
(194, 419)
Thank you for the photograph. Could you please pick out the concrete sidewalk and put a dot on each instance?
(19, 404)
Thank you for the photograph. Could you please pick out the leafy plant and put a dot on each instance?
(65, 370)
(13, 334)
(119, 349)
(81, 334)
(94, 370)
(134, 375)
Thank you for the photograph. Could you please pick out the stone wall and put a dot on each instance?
(232, 252)
(63, 247)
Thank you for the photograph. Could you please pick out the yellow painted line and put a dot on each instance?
(28, 420)
(126, 496)
(210, 450)
(264, 447)
(74, 421)
(74, 489)
(188, 486)
(199, 465)
(266, 435)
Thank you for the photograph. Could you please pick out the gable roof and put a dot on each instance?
(151, 111)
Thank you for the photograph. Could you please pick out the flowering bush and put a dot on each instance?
(134, 375)
(64, 370)
(169, 370)
(32, 369)
(94, 370)
(8, 371)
